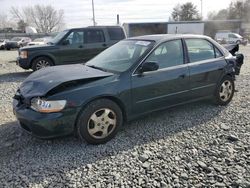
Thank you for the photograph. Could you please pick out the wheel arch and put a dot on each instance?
(110, 97)
(41, 55)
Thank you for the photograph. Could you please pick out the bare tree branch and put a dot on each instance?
(45, 18)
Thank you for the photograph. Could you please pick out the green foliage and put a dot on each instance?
(185, 12)
(237, 10)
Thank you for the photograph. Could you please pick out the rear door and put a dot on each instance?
(165, 87)
(115, 35)
(94, 43)
(206, 65)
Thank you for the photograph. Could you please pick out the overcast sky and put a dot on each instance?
(79, 12)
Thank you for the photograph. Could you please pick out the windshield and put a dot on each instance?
(237, 35)
(58, 37)
(16, 39)
(121, 56)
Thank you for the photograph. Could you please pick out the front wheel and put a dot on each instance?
(99, 121)
(40, 63)
(224, 91)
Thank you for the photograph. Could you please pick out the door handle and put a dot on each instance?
(104, 45)
(81, 46)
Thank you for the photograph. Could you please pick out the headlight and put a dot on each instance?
(44, 106)
(24, 54)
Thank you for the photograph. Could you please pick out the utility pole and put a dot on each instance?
(93, 10)
(117, 19)
(201, 9)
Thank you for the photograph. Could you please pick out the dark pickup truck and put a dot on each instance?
(70, 46)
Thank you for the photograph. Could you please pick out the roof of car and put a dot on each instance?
(160, 37)
(97, 27)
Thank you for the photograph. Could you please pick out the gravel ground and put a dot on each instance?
(195, 145)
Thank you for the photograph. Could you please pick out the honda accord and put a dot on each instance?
(134, 77)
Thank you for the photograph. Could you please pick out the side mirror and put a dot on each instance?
(149, 66)
(65, 42)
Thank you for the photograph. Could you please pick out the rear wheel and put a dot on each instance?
(225, 91)
(99, 121)
(40, 63)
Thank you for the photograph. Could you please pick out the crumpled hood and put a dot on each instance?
(42, 81)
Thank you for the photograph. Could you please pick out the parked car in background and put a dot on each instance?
(70, 46)
(3, 43)
(17, 42)
(132, 78)
(40, 41)
(229, 38)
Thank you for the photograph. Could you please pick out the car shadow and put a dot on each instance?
(72, 153)
(14, 76)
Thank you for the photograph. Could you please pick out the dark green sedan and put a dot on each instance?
(134, 77)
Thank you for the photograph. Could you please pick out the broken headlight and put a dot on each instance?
(44, 106)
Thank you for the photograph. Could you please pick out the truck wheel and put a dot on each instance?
(99, 121)
(41, 62)
(224, 91)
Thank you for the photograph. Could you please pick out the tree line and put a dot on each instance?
(239, 9)
(44, 18)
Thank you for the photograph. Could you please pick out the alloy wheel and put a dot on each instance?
(42, 64)
(102, 123)
(226, 90)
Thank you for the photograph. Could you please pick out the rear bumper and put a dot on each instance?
(239, 63)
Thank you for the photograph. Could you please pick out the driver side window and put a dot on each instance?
(167, 54)
(75, 37)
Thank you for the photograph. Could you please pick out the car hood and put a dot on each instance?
(42, 81)
(39, 47)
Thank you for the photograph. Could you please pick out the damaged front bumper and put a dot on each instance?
(44, 125)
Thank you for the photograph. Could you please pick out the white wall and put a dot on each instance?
(186, 28)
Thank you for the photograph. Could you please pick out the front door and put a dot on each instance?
(71, 49)
(165, 87)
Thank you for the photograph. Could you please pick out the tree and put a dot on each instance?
(237, 10)
(21, 25)
(5, 22)
(221, 15)
(45, 18)
(185, 12)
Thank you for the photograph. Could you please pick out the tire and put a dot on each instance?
(41, 62)
(224, 91)
(94, 126)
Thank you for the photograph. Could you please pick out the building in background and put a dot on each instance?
(208, 28)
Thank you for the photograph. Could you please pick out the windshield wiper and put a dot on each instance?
(99, 68)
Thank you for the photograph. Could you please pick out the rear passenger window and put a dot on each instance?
(94, 36)
(116, 33)
(200, 49)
